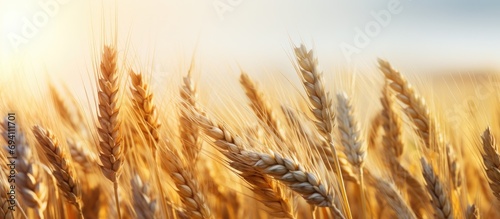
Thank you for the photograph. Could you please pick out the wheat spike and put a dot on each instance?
(29, 179)
(391, 123)
(349, 131)
(285, 170)
(110, 145)
(261, 107)
(319, 144)
(392, 196)
(321, 106)
(144, 203)
(142, 100)
(392, 140)
(63, 169)
(81, 155)
(187, 187)
(472, 212)
(491, 160)
(439, 196)
(416, 108)
(453, 167)
(70, 115)
(111, 148)
(190, 134)
(266, 190)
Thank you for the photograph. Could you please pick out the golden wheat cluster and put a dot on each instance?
(134, 156)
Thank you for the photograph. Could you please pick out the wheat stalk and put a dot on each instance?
(111, 150)
(261, 106)
(321, 106)
(439, 196)
(491, 160)
(63, 169)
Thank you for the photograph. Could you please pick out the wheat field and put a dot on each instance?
(323, 151)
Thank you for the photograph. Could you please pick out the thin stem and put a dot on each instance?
(362, 186)
(343, 192)
(313, 211)
(162, 193)
(117, 201)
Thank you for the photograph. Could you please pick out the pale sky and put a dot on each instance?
(254, 35)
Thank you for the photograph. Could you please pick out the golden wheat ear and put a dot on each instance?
(190, 133)
(111, 147)
(321, 106)
(285, 170)
(261, 106)
(416, 107)
(440, 199)
(142, 100)
(143, 201)
(491, 160)
(63, 169)
(472, 212)
(187, 186)
(30, 178)
(390, 193)
(319, 144)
